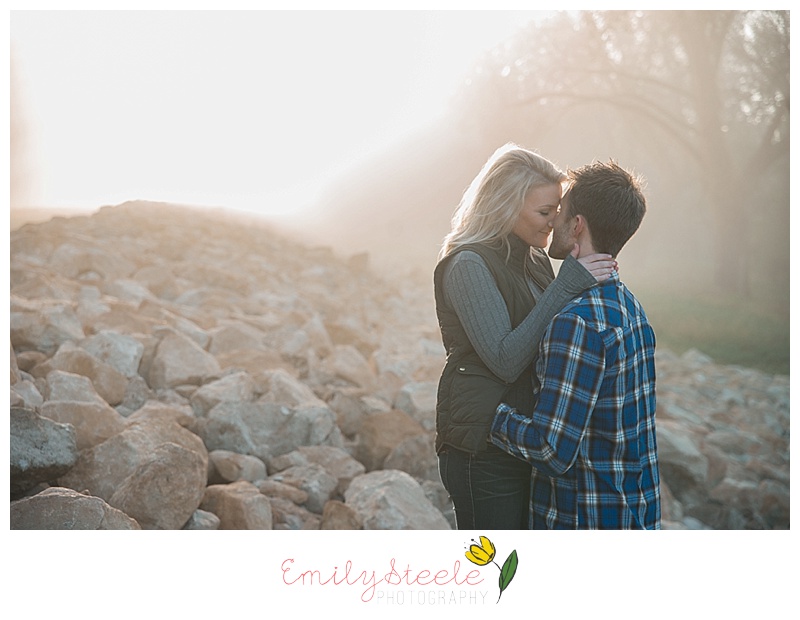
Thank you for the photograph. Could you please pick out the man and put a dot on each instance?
(592, 435)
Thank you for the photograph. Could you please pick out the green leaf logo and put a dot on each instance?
(507, 572)
(483, 553)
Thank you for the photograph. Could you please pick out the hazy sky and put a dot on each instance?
(251, 110)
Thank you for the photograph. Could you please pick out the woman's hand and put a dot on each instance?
(601, 266)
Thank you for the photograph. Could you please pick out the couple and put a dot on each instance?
(545, 415)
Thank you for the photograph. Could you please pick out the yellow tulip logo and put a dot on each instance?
(483, 553)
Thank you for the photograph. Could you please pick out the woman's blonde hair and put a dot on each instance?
(491, 204)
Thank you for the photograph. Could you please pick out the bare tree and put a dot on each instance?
(713, 83)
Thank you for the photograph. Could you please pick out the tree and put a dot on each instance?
(713, 83)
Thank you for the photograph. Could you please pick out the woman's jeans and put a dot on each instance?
(490, 490)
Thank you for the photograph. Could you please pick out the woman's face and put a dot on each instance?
(535, 221)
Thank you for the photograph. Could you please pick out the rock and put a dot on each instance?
(120, 351)
(63, 385)
(42, 325)
(393, 500)
(418, 399)
(336, 462)
(74, 261)
(415, 456)
(41, 449)
(681, 462)
(108, 382)
(103, 468)
(14, 367)
(236, 387)
(202, 520)
(381, 433)
(347, 363)
(93, 422)
(281, 387)
(337, 515)
(274, 488)
(266, 430)
(163, 492)
(179, 360)
(24, 393)
(64, 509)
(287, 515)
(234, 336)
(318, 484)
(230, 467)
(239, 506)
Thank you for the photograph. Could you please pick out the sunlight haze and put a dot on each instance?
(249, 110)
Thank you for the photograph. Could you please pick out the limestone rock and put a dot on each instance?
(93, 422)
(381, 433)
(239, 506)
(337, 515)
(163, 492)
(108, 382)
(43, 326)
(41, 449)
(229, 467)
(179, 360)
(120, 351)
(103, 468)
(64, 509)
(202, 520)
(393, 500)
(235, 387)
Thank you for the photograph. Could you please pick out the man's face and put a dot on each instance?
(563, 238)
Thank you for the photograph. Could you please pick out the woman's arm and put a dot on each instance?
(480, 307)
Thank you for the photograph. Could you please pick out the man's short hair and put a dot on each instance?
(611, 200)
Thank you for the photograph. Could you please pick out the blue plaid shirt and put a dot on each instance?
(592, 435)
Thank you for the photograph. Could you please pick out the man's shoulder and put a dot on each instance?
(603, 305)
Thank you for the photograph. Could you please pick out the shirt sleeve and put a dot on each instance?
(571, 372)
(473, 293)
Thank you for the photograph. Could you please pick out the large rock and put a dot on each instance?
(267, 430)
(179, 361)
(73, 261)
(418, 399)
(393, 500)
(318, 484)
(43, 325)
(236, 387)
(120, 351)
(41, 449)
(93, 422)
(226, 466)
(239, 506)
(65, 509)
(381, 433)
(63, 385)
(109, 383)
(103, 468)
(163, 492)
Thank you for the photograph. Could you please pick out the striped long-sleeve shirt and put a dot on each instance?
(591, 437)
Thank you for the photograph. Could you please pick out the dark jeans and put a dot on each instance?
(490, 490)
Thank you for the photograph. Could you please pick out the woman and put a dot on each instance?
(495, 295)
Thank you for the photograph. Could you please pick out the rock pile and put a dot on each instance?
(179, 368)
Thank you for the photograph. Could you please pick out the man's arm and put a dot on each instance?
(571, 367)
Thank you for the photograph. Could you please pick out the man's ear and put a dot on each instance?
(580, 224)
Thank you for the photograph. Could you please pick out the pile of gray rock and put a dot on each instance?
(176, 368)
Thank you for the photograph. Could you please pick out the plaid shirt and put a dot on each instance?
(592, 435)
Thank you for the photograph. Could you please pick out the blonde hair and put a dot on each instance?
(491, 204)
